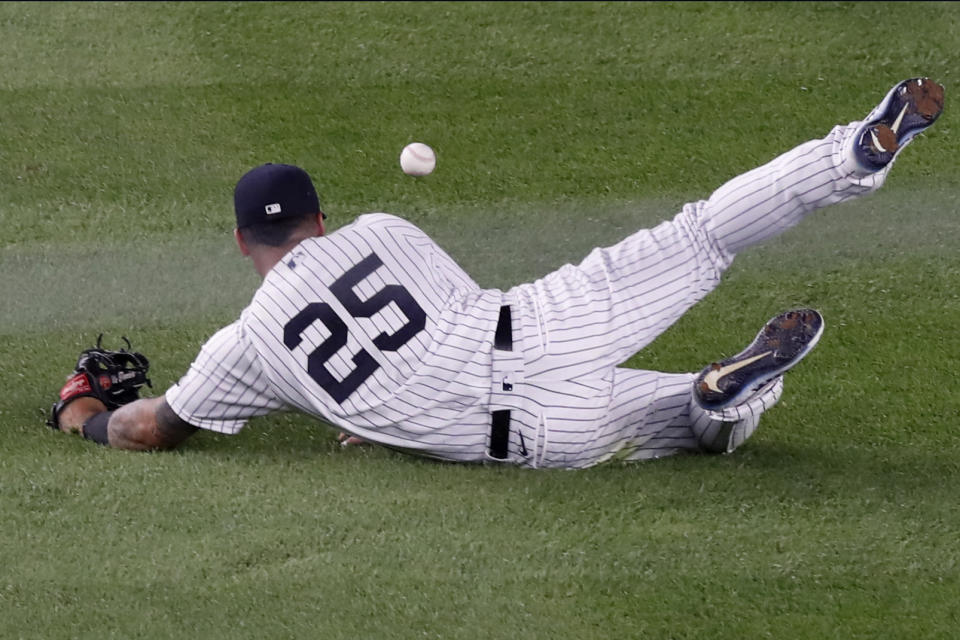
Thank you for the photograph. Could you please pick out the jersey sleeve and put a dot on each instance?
(225, 385)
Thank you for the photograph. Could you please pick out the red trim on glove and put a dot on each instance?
(76, 386)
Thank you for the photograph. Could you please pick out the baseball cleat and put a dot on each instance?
(780, 345)
(908, 109)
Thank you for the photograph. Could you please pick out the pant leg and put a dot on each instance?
(581, 320)
(630, 415)
(706, 431)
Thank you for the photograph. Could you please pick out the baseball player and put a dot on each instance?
(376, 330)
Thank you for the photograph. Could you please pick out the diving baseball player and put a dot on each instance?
(376, 330)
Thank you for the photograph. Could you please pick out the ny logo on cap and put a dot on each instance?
(272, 208)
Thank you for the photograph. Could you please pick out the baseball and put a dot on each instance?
(417, 159)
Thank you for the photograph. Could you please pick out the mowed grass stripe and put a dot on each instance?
(779, 528)
(186, 275)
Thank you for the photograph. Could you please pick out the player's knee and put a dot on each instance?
(718, 436)
(723, 431)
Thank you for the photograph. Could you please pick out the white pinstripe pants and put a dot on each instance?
(574, 326)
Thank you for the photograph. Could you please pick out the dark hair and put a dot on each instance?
(274, 233)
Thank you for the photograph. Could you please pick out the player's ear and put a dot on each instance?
(244, 249)
(321, 228)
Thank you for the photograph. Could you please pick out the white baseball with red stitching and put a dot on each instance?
(418, 159)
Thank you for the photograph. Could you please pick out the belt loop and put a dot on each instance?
(503, 337)
(499, 434)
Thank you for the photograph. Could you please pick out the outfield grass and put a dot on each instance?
(559, 127)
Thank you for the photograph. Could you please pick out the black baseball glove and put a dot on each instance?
(112, 377)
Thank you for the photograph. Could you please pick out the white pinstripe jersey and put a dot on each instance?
(373, 328)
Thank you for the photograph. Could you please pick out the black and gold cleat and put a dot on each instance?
(908, 109)
(779, 346)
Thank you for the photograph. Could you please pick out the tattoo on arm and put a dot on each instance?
(170, 429)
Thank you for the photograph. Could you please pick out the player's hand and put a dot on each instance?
(72, 416)
(347, 440)
(111, 377)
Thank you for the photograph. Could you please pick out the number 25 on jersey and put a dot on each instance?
(364, 364)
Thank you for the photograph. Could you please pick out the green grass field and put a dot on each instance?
(559, 127)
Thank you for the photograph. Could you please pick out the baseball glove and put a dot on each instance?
(112, 377)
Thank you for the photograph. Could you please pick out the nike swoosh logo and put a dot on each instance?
(713, 376)
(876, 141)
(523, 445)
(896, 124)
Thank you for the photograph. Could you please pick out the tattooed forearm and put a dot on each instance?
(169, 428)
(147, 424)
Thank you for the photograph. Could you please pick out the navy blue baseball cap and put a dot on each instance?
(272, 192)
